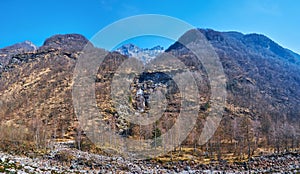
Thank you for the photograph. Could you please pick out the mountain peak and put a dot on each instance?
(25, 46)
(261, 42)
(130, 45)
(158, 47)
(19, 48)
(67, 42)
(250, 43)
(144, 54)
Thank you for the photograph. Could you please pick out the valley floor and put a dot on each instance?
(63, 159)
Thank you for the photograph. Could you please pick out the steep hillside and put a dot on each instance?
(36, 86)
(262, 85)
(261, 75)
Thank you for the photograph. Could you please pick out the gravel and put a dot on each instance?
(83, 162)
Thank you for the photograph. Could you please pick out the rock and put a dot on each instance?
(3, 159)
(29, 169)
(187, 168)
(1, 168)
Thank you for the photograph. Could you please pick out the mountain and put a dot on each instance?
(65, 43)
(267, 70)
(261, 75)
(20, 48)
(144, 54)
(36, 90)
(262, 86)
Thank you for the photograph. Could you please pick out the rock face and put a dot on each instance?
(145, 55)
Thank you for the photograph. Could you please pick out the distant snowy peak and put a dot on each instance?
(30, 46)
(25, 46)
(144, 54)
(8, 52)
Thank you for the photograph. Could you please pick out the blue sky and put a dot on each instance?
(37, 20)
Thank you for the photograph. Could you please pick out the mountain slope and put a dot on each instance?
(36, 87)
(261, 75)
(262, 85)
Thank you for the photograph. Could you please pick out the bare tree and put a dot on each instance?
(78, 136)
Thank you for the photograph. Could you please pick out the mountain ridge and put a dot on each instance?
(144, 54)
